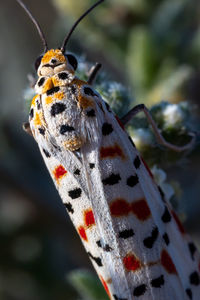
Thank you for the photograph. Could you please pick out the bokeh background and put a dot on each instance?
(152, 47)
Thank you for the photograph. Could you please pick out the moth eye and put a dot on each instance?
(37, 62)
(72, 60)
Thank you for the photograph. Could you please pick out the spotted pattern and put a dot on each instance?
(59, 172)
(192, 249)
(112, 179)
(149, 241)
(111, 152)
(194, 278)
(125, 234)
(120, 207)
(167, 262)
(139, 290)
(158, 282)
(97, 260)
(75, 193)
(107, 129)
(131, 262)
(166, 217)
(106, 247)
(57, 108)
(69, 207)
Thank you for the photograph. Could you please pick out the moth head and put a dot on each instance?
(54, 61)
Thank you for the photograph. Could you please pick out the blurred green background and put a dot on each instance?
(152, 47)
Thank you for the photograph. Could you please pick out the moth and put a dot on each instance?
(133, 237)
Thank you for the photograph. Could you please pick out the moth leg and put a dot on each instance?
(141, 107)
(93, 73)
(26, 127)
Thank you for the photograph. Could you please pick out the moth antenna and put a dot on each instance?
(76, 23)
(41, 34)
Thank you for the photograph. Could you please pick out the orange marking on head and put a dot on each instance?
(59, 95)
(56, 81)
(49, 100)
(48, 85)
(82, 233)
(119, 207)
(111, 152)
(34, 100)
(178, 222)
(105, 285)
(59, 172)
(37, 119)
(141, 209)
(89, 218)
(131, 263)
(167, 262)
(53, 54)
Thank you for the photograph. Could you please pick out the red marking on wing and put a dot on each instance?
(89, 218)
(111, 152)
(167, 262)
(81, 231)
(146, 166)
(178, 222)
(131, 263)
(119, 207)
(141, 209)
(119, 121)
(105, 285)
(59, 172)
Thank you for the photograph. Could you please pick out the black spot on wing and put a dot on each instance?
(166, 238)
(92, 166)
(132, 180)
(41, 131)
(47, 154)
(107, 129)
(137, 162)
(69, 207)
(158, 282)
(194, 278)
(125, 234)
(74, 194)
(192, 249)
(106, 248)
(91, 113)
(149, 241)
(57, 108)
(96, 259)
(139, 290)
(112, 179)
(66, 128)
(166, 217)
(77, 172)
(53, 90)
(189, 293)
